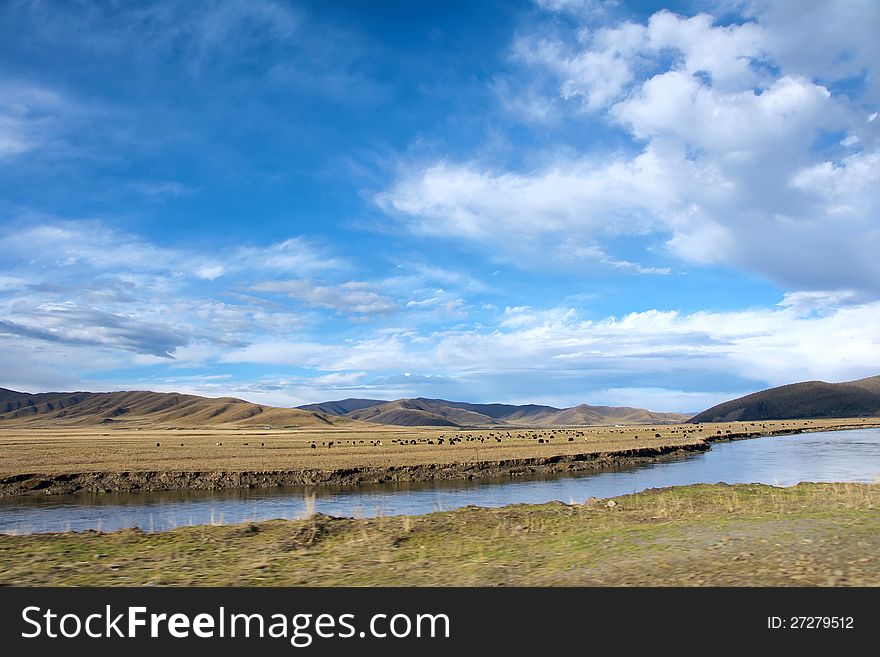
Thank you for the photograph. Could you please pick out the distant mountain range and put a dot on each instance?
(440, 412)
(149, 408)
(811, 399)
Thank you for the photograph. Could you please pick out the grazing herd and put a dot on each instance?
(542, 436)
(539, 436)
(329, 443)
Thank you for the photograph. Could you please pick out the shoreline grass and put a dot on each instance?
(702, 535)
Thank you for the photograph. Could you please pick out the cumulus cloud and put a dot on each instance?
(678, 105)
(727, 164)
(830, 40)
(522, 212)
(597, 75)
(726, 54)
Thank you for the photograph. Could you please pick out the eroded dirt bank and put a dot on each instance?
(102, 482)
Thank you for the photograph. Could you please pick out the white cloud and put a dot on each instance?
(850, 185)
(675, 104)
(75, 245)
(340, 380)
(595, 252)
(292, 255)
(33, 117)
(70, 323)
(579, 8)
(100, 298)
(440, 302)
(529, 105)
(598, 75)
(810, 301)
(773, 345)
(36, 366)
(580, 197)
(725, 53)
(13, 136)
(202, 33)
(279, 352)
(725, 166)
(84, 244)
(161, 188)
(352, 297)
(829, 39)
(210, 272)
(413, 276)
(556, 355)
(676, 401)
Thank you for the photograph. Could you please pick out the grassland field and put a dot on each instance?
(58, 450)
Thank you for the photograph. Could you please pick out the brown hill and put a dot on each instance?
(811, 399)
(871, 384)
(440, 412)
(586, 414)
(343, 406)
(141, 408)
(419, 412)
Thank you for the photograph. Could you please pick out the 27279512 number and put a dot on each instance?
(811, 623)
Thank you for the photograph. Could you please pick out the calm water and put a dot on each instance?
(781, 461)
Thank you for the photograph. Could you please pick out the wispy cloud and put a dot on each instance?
(72, 325)
(352, 296)
(59, 246)
(578, 8)
(203, 31)
(774, 345)
(83, 284)
(34, 117)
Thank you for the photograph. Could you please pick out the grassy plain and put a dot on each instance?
(705, 535)
(55, 450)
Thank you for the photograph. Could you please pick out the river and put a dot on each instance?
(852, 456)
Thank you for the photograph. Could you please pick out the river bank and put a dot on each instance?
(104, 482)
(703, 535)
(421, 461)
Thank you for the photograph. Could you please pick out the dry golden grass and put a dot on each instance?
(79, 450)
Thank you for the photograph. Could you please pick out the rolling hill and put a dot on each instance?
(343, 406)
(440, 412)
(811, 399)
(149, 408)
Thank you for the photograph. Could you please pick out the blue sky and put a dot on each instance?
(555, 201)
